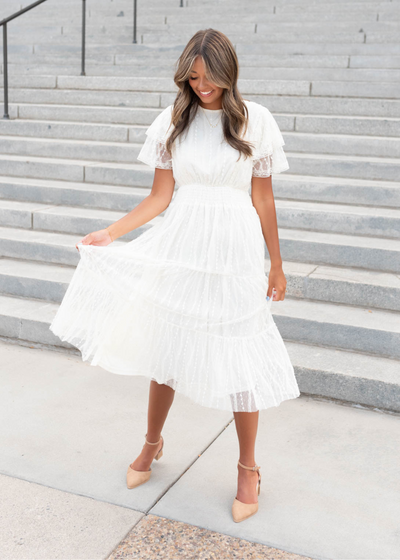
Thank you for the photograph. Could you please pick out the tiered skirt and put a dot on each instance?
(184, 304)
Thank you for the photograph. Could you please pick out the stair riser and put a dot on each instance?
(368, 130)
(281, 72)
(368, 259)
(295, 142)
(371, 49)
(295, 105)
(376, 297)
(366, 392)
(338, 223)
(122, 153)
(29, 330)
(283, 189)
(287, 218)
(350, 193)
(342, 145)
(76, 97)
(349, 293)
(381, 171)
(353, 126)
(114, 176)
(77, 114)
(371, 341)
(347, 256)
(71, 197)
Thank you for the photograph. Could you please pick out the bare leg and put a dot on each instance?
(246, 427)
(160, 401)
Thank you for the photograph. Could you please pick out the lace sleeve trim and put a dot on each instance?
(153, 151)
(270, 163)
(154, 154)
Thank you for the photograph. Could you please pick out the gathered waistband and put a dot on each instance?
(198, 193)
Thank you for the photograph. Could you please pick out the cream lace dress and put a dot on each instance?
(184, 303)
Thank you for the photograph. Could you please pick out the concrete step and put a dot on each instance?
(123, 198)
(368, 253)
(61, 219)
(92, 128)
(338, 284)
(334, 325)
(387, 108)
(93, 135)
(69, 193)
(268, 61)
(339, 218)
(330, 88)
(45, 247)
(303, 47)
(49, 282)
(51, 99)
(129, 174)
(72, 131)
(70, 104)
(373, 332)
(348, 376)
(337, 190)
(183, 35)
(334, 88)
(228, 24)
(55, 160)
(122, 152)
(326, 124)
(347, 144)
(259, 39)
(165, 69)
(308, 216)
(350, 167)
(283, 108)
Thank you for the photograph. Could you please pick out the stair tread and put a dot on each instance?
(338, 313)
(319, 312)
(308, 206)
(290, 234)
(344, 362)
(48, 271)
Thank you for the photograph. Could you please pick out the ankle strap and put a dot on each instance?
(149, 442)
(255, 468)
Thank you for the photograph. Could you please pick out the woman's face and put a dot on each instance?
(209, 94)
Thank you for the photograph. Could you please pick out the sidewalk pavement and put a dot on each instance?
(330, 476)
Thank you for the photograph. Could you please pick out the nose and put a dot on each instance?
(203, 86)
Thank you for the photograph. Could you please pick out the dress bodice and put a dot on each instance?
(201, 154)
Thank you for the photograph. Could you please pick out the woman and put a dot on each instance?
(187, 302)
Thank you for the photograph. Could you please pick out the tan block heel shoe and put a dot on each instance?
(136, 478)
(240, 510)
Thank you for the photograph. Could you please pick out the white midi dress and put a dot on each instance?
(184, 303)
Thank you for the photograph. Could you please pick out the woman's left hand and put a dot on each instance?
(277, 280)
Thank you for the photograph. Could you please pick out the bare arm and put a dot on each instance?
(150, 207)
(263, 200)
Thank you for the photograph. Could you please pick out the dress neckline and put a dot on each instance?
(210, 110)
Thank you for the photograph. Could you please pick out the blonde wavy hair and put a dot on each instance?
(222, 69)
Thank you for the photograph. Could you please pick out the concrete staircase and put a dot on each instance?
(330, 75)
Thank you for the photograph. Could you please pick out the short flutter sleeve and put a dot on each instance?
(154, 152)
(268, 155)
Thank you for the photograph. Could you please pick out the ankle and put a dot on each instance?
(250, 463)
(152, 438)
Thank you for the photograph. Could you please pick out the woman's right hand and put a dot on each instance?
(100, 237)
